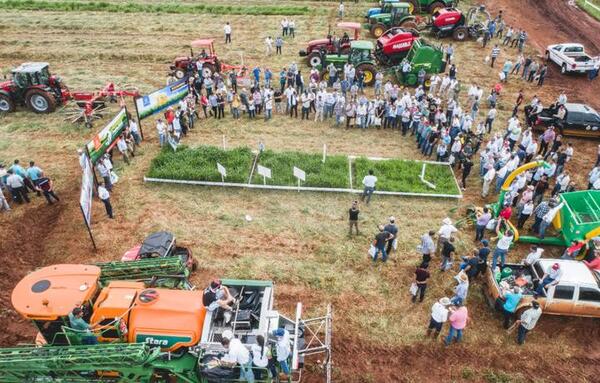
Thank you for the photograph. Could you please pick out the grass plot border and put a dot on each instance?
(353, 178)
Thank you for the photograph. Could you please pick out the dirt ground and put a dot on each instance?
(297, 240)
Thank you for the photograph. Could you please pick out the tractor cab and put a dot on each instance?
(161, 244)
(204, 52)
(331, 44)
(32, 85)
(400, 15)
(360, 52)
(399, 11)
(385, 6)
(252, 316)
(360, 55)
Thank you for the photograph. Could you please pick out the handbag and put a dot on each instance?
(372, 251)
(413, 289)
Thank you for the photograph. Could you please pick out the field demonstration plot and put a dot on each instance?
(297, 240)
(337, 173)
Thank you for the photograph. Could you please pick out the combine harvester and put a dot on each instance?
(145, 334)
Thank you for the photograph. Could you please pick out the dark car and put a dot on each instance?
(581, 120)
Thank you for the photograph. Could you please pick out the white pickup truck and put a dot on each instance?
(570, 57)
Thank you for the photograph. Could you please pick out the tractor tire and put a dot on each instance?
(314, 59)
(436, 6)
(370, 72)
(7, 105)
(460, 34)
(414, 6)
(40, 101)
(208, 70)
(179, 73)
(377, 30)
(409, 24)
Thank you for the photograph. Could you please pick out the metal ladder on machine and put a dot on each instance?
(319, 331)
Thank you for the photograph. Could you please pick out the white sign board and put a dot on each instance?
(265, 172)
(221, 169)
(87, 186)
(300, 174)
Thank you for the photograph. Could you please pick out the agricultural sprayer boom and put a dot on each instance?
(160, 270)
(77, 363)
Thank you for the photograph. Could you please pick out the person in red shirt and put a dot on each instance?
(506, 212)
(169, 117)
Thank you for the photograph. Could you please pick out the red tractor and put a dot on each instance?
(451, 21)
(33, 86)
(394, 45)
(328, 45)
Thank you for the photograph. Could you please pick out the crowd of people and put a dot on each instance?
(19, 182)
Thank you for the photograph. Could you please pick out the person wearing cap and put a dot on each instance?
(550, 278)
(283, 350)
(216, 295)
(237, 353)
(393, 230)
(459, 317)
(528, 321)
(483, 254)
(511, 301)
(439, 315)
(353, 213)
(380, 241)
(445, 233)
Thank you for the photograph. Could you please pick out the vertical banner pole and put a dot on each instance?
(324, 152)
(298, 185)
(139, 121)
(264, 180)
(222, 180)
(88, 228)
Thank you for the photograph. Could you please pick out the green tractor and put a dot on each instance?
(430, 6)
(421, 56)
(360, 55)
(399, 16)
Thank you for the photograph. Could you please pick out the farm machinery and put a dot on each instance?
(577, 220)
(394, 45)
(186, 65)
(385, 6)
(147, 334)
(33, 86)
(399, 16)
(452, 22)
(421, 56)
(161, 244)
(330, 45)
(415, 6)
(360, 55)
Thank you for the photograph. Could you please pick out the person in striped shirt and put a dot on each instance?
(495, 54)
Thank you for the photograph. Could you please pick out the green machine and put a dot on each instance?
(577, 220)
(422, 55)
(400, 16)
(158, 272)
(360, 55)
(385, 6)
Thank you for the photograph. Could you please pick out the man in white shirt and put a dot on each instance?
(439, 315)
(369, 182)
(269, 45)
(594, 176)
(528, 321)
(550, 278)
(161, 128)
(535, 253)
(444, 234)
(227, 30)
(104, 196)
(16, 183)
(283, 350)
(487, 181)
(122, 146)
(135, 131)
(237, 353)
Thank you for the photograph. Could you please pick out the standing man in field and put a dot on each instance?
(104, 196)
(380, 241)
(528, 321)
(392, 229)
(353, 218)
(494, 54)
(227, 30)
(427, 245)
(278, 45)
(369, 182)
(459, 317)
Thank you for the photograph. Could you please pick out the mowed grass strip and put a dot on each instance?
(333, 173)
(396, 175)
(200, 164)
(133, 7)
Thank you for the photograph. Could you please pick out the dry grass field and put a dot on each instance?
(298, 240)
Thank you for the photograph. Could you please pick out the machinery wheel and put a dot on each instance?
(314, 59)
(208, 70)
(6, 104)
(377, 30)
(179, 73)
(369, 71)
(436, 6)
(40, 101)
(409, 24)
(460, 34)
(414, 6)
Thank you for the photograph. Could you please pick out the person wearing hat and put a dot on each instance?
(283, 350)
(511, 301)
(216, 295)
(380, 241)
(445, 233)
(461, 290)
(439, 315)
(550, 278)
(393, 230)
(458, 318)
(237, 353)
(528, 321)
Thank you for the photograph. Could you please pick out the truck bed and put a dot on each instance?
(519, 270)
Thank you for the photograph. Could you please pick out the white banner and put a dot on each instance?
(265, 172)
(87, 187)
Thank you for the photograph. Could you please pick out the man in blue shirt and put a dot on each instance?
(76, 322)
(33, 172)
(19, 170)
(511, 301)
